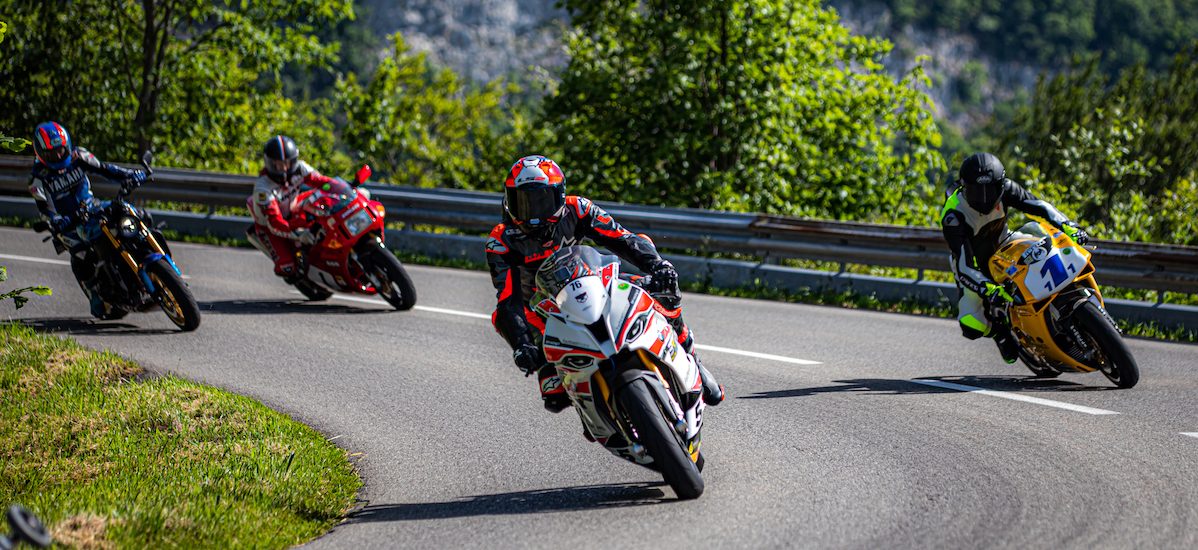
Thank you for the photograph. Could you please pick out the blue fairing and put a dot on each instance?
(151, 258)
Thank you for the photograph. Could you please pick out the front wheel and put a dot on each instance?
(173, 295)
(1116, 361)
(661, 440)
(395, 286)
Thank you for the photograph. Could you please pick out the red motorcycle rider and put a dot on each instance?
(281, 179)
(539, 218)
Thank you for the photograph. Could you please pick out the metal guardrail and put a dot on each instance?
(1122, 264)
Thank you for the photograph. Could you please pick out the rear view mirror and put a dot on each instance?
(362, 175)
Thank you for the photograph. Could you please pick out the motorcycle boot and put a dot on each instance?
(553, 394)
(713, 393)
(1008, 346)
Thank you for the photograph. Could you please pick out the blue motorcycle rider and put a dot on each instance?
(62, 191)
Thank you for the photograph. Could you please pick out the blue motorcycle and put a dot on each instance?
(134, 269)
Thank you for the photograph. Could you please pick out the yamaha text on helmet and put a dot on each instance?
(982, 177)
(52, 145)
(280, 156)
(534, 194)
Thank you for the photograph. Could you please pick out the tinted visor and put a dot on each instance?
(983, 194)
(535, 206)
(55, 155)
(278, 167)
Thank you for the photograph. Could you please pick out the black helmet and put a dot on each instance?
(982, 177)
(534, 194)
(279, 157)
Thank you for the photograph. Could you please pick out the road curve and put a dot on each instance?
(848, 452)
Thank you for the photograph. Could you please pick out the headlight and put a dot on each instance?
(358, 223)
(127, 226)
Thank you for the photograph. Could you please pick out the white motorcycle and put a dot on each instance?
(638, 393)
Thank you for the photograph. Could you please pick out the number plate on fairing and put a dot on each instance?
(1052, 271)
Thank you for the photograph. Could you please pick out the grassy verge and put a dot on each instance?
(109, 458)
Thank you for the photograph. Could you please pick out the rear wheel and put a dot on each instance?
(173, 295)
(1115, 359)
(394, 284)
(661, 440)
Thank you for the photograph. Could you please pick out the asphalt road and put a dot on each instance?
(849, 452)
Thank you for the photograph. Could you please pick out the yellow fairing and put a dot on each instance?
(1028, 319)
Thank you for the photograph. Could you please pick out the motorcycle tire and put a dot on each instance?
(401, 293)
(1120, 366)
(660, 440)
(312, 291)
(1038, 369)
(173, 296)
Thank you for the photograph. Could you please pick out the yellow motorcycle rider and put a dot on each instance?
(974, 221)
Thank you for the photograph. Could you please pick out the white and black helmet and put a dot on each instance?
(280, 156)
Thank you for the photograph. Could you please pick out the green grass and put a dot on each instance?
(108, 456)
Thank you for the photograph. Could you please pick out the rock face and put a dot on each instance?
(484, 39)
(959, 69)
(480, 39)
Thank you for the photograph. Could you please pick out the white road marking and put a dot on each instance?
(32, 259)
(757, 355)
(1191, 434)
(1014, 397)
(47, 261)
(473, 315)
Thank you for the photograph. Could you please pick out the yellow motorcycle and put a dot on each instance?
(1058, 315)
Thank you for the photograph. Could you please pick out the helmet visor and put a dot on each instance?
(535, 206)
(983, 193)
(277, 166)
(55, 155)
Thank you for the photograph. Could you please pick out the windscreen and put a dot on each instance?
(567, 264)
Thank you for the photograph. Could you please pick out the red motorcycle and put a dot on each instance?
(349, 255)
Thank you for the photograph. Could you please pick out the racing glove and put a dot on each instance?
(60, 223)
(136, 179)
(664, 278)
(528, 358)
(1076, 233)
(997, 297)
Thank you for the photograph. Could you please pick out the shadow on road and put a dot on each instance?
(91, 327)
(565, 499)
(270, 307)
(882, 386)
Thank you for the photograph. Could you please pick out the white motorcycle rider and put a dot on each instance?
(636, 390)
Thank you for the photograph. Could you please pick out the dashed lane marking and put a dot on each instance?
(1191, 434)
(1014, 397)
(34, 260)
(757, 355)
(704, 347)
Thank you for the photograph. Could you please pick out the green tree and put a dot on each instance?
(421, 125)
(1118, 152)
(13, 144)
(189, 75)
(761, 105)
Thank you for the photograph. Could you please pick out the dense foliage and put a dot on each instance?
(196, 80)
(1048, 32)
(759, 105)
(420, 125)
(1119, 152)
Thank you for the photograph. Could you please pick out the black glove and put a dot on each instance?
(1079, 235)
(664, 278)
(528, 358)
